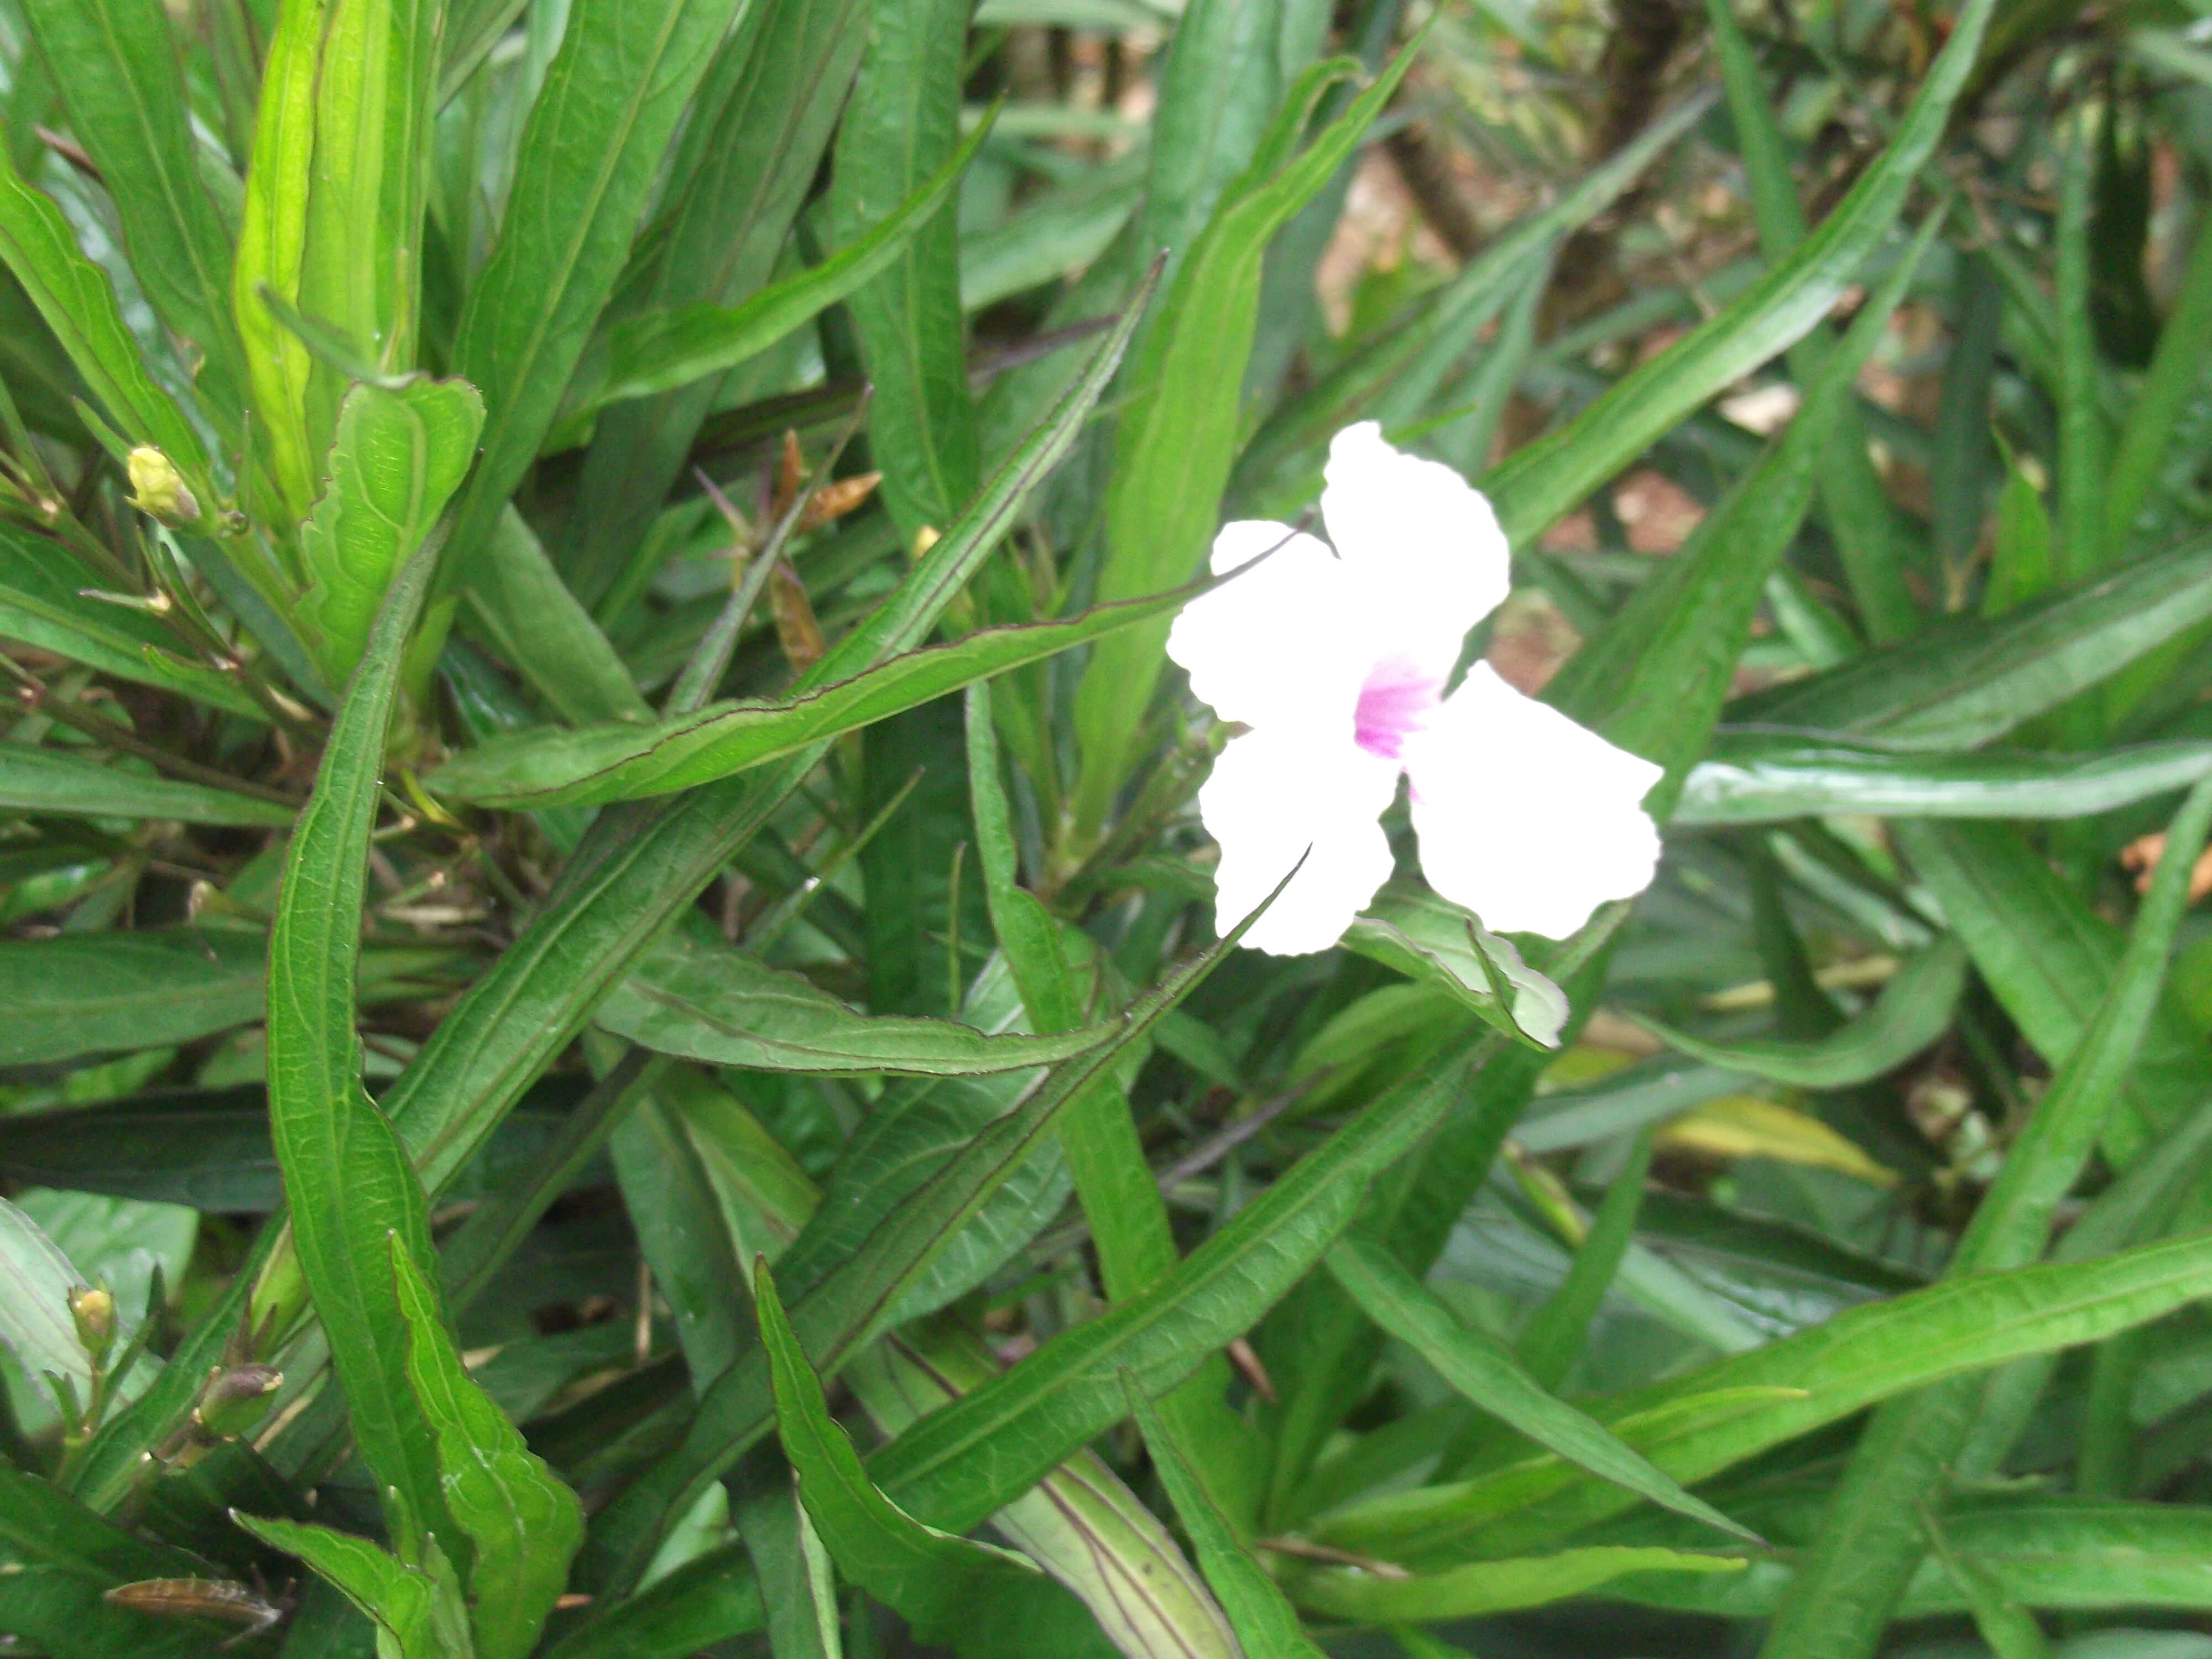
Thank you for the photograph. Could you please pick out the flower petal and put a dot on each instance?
(1527, 819)
(1420, 541)
(1271, 647)
(1273, 794)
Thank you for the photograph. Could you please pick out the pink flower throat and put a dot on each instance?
(1393, 705)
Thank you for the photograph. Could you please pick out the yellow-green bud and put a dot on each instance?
(93, 1311)
(159, 488)
(235, 1398)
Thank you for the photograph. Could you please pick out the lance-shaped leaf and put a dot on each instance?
(1492, 1586)
(66, 783)
(418, 1608)
(397, 458)
(1749, 779)
(523, 1525)
(710, 1001)
(43, 602)
(1427, 938)
(932, 1579)
(1486, 1373)
(1264, 1620)
(348, 1184)
(36, 1281)
(1914, 1010)
(620, 761)
(660, 350)
(1970, 681)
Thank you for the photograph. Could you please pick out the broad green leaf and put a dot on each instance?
(114, 63)
(43, 603)
(861, 1293)
(1486, 1373)
(1543, 481)
(624, 761)
(66, 783)
(90, 993)
(1836, 1369)
(36, 1281)
(1746, 779)
(590, 153)
(1653, 679)
(2010, 1630)
(78, 301)
(58, 1611)
(346, 1181)
(398, 456)
(710, 1001)
(654, 351)
(519, 605)
(901, 127)
(1429, 939)
(1491, 1586)
(1177, 437)
(1264, 1620)
(1967, 681)
(522, 1523)
(1914, 1010)
(932, 1579)
(1865, 1549)
(405, 1602)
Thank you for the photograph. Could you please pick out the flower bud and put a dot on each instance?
(235, 1397)
(93, 1311)
(159, 488)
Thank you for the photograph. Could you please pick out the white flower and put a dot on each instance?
(1337, 661)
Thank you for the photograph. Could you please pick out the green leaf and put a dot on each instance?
(655, 351)
(1543, 481)
(519, 605)
(591, 153)
(706, 1601)
(1179, 426)
(901, 126)
(1491, 1586)
(114, 63)
(91, 993)
(1914, 1010)
(41, 1526)
(1486, 1373)
(1653, 678)
(36, 1282)
(1263, 1619)
(1429, 939)
(710, 1001)
(852, 1299)
(932, 1580)
(750, 152)
(66, 783)
(347, 1182)
(798, 1583)
(2153, 417)
(523, 1525)
(78, 303)
(43, 603)
(1965, 683)
(407, 1603)
(624, 762)
(1559, 1331)
(399, 455)
(58, 1611)
(1696, 1424)
(1748, 779)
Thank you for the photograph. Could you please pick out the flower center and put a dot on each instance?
(1393, 703)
